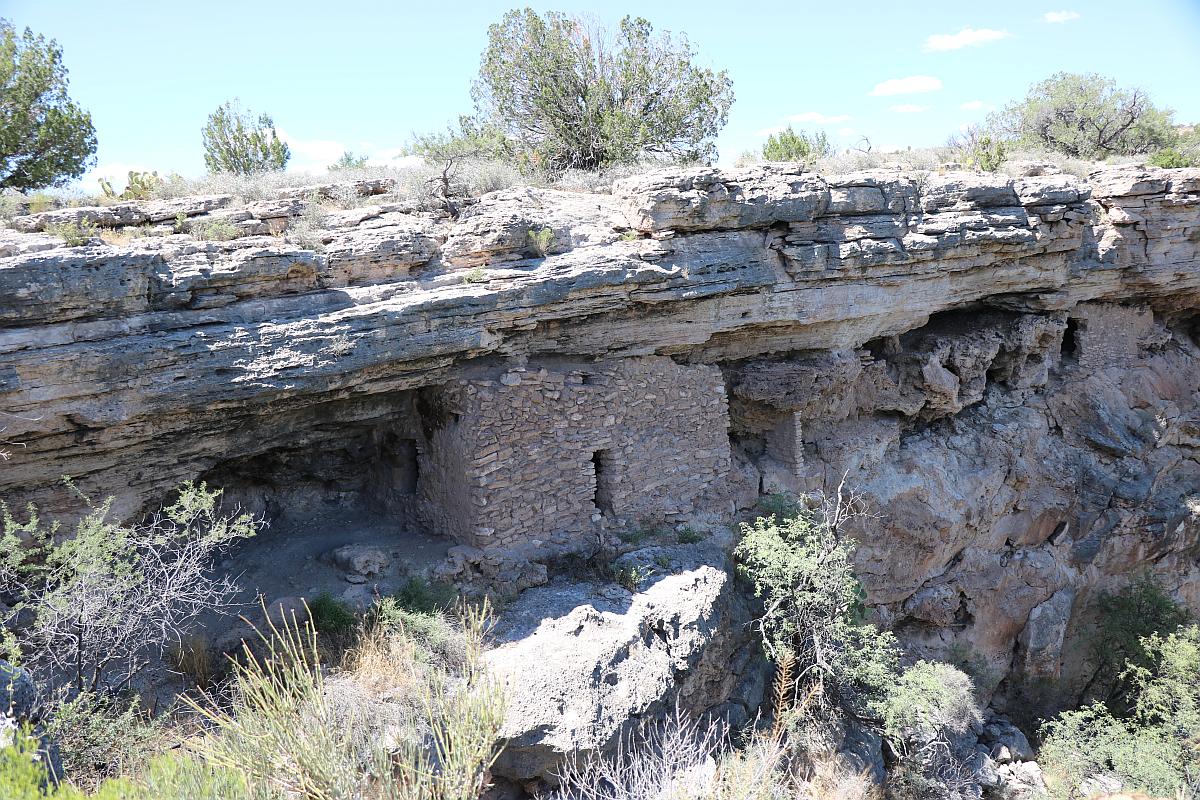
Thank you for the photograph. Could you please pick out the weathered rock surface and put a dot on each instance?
(585, 664)
(1008, 368)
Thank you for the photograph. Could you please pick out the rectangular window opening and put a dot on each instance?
(602, 466)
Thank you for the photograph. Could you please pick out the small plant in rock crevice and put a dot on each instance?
(73, 234)
(541, 241)
(476, 275)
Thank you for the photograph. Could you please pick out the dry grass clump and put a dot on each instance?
(294, 729)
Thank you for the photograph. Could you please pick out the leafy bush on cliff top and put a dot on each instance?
(566, 94)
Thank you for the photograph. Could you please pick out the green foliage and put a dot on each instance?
(93, 604)
(689, 536)
(331, 616)
(541, 241)
(930, 700)
(1124, 620)
(564, 96)
(632, 576)
(216, 231)
(788, 145)
(981, 149)
(779, 504)
(348, 161)
(284, 737)
(421, 596)
(1157, 749)
(1184, 153)
(801, 569)
(140, 186)
(470, 140)
(475, 275)
(74, 234)
(237, 141)
(45, 138)
(1087, 116)
(102, 736)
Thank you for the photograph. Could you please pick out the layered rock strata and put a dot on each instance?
(1007, 368)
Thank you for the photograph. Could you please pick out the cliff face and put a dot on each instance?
(1006, 368)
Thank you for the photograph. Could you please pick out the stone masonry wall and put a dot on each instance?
(546, 453)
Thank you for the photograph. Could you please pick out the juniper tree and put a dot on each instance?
(569, 95)
(46, 139)
(237, 141)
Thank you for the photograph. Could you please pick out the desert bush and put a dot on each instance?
(331, 616)
(103, 736)
(94, 606)
(425, 597)
(1155, 750)
(73, 234)
(348, 161)
(980, 149)
(564, 95)
(237, 141)
(800, 567)
(218, 230)
(541, 241)
(1124, 621)
(45, 138)
(788, 145)
(1184, 153)
(931, 700)
(1086, 116)
(285, 737)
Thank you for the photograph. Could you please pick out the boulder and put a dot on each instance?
(585, 663)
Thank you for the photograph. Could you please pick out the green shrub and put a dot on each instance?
(95, 603)
(631, 576)
(331, 616)
(348, 161)
(788, 145)
(1155, 750)
(564, 94)
(74, 234)
(421, 596)
(237, 141)
(930, 700)
(541, 241)
(1086, 116)
(216, 231)
(45, 139)
(801, 569)
(1124, 620)
(689, 536)
(476, 275)
(103, 736)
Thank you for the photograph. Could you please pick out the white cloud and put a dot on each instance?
(976, 105)
(311, 155)
(909, 108)
(1054, 17)
(915, 84)
(819, 118)
(967, 37)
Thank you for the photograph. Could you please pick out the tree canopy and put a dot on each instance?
(237, 141)
(566, 94)
(45, 138)
(1087, 116)
(788, 145)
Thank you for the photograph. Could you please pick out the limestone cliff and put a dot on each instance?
(1007, 368)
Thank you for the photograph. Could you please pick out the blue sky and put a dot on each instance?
(363, 75)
